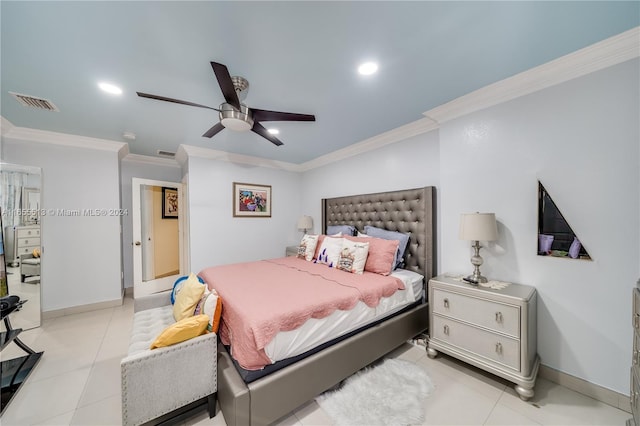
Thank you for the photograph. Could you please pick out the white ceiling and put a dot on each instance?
(298, 57)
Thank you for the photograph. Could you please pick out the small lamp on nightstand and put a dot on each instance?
(305, 223)
(478, 227)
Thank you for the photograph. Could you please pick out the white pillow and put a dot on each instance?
(307, 247)
(353, 256)
(329, 252)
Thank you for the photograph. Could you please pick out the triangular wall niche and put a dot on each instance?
(555, 236)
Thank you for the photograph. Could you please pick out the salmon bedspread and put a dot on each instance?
(261, 298)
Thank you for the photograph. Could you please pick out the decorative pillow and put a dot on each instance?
(353, 256)
(341, 229)
(182, 330)
(212, 307)
(188, 297)
(402, 238)
(177, 286)
(307, 247)
(330, 251)
(321, 238)
(381, 256)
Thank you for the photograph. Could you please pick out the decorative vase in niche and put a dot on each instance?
(544, 243)
(574, 250)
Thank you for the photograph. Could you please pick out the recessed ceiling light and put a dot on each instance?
(110, 88)
(273, 131)
(368, 68)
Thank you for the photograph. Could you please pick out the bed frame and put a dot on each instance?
(267, 399)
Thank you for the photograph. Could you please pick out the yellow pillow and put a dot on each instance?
(182, 330)
(188, 297)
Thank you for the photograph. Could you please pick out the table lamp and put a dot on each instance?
(477, 227)
(305, 223)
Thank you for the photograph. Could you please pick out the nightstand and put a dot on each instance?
(494, 330)
(291, 251)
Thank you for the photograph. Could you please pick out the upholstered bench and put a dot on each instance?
(29, 266)
(161, 383)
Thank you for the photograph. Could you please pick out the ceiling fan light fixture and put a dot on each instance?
(273, 131)
(236, 120)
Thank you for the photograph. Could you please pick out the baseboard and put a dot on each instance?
(80, 309)
(589, 389)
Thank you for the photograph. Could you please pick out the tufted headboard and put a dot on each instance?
(408, 211)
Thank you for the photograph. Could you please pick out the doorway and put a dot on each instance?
(158, 235)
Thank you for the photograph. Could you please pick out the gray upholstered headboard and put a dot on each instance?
(408, 211)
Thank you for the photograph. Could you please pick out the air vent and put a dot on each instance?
(35, 102)
(166, 154)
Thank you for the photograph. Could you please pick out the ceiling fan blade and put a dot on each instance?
(176, 101)
(259, 129)
(226, 84)
(212, 131)
(264, 115)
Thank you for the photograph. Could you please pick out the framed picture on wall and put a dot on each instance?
(251, 200)
(169, 203)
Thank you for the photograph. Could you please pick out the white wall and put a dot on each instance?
(130, 168)
(216, 237)
(81, 257)
(581, 139)
(412, 163)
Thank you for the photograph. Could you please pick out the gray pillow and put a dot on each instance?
(403, 239)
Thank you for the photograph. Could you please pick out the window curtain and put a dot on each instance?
(11, 184)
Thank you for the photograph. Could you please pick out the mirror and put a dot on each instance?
(4, 289)
(20, 202)
(555, 236)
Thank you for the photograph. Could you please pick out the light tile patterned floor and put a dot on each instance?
(78, 383)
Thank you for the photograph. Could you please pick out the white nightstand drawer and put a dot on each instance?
(25, 250)
(31, 241)
(28, 232)
(497, 348)
(485, 313)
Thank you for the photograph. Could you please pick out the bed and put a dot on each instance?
(298, 379)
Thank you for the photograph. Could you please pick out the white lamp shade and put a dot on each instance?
(478, 227)
(305, 222)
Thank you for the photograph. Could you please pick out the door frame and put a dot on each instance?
(141, 288)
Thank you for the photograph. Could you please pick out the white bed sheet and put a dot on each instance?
(315, 332)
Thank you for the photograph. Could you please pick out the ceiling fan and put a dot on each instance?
(235, 115)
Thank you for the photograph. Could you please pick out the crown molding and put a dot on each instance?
(147, 159)
(609, 52)
(5, 126)
(398, 134)
(212, 154)
(63, 139)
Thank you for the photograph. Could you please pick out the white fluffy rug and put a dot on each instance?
(391, 393)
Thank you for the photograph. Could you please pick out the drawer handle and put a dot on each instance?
(446, 330)
(635, 357)
(499, 317)
(446, 303)
(26, 241)
(499, 348)
(636, 321)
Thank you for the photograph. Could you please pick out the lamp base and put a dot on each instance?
(476, 261)
(475, 279)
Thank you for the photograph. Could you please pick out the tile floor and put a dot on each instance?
(77, 382)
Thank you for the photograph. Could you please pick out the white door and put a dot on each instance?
(158, 235)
